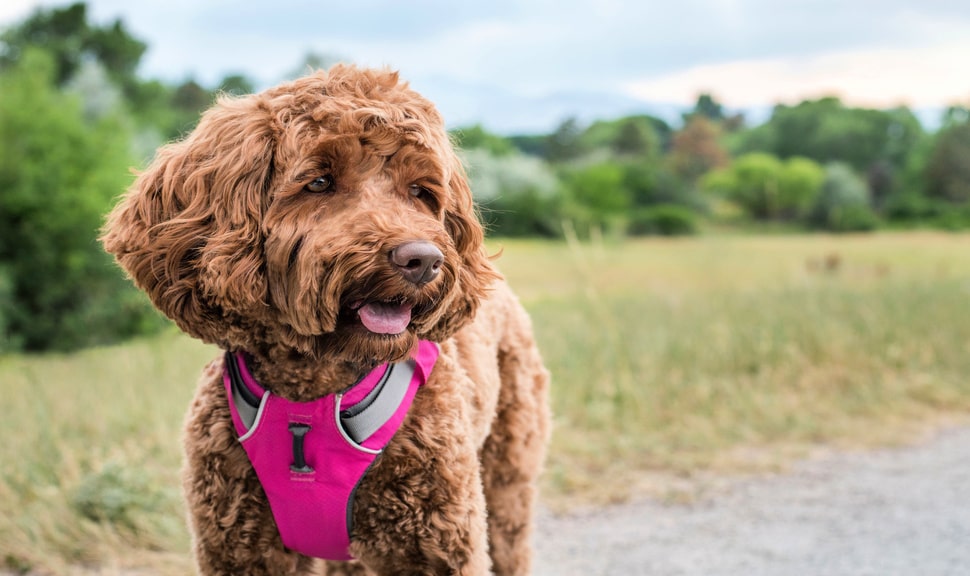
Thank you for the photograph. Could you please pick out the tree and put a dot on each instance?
(696, 149)
(641, 136)
(948, 168)
(955, 115)
(187, 102)
(707, 107)
(799, 184)
(476, 137)
(66, 34)
(59, 171)
(843, 204)
(827, 131)
(652, 183)
(517, 194)
(768, 188)
(236, 84)
(564, 143)
(596, 197)
(632, 140)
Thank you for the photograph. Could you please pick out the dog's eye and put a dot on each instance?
(423, 194)
(320, 184)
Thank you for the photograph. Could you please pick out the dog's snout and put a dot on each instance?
(418, 261)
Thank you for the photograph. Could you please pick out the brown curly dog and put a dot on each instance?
(318, 230)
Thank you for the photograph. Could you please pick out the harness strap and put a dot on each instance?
(359, 421)
(368, 415)
(247, 402)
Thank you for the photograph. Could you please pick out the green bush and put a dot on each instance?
(516, 194)
(843, 204)
(595, 197)
(953, 218)
(910, 207)
(59, 172)
(663, 220)
(767, 188)
(526, 213)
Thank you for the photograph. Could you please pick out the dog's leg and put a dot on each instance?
(233, 528)
(420, 510)
(513, 453)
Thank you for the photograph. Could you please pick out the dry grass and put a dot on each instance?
(671, 359)
(90, 467)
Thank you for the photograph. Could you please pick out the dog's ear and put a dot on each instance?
(188, 230)
(476, 272)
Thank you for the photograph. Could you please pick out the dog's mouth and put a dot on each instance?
(389, 317)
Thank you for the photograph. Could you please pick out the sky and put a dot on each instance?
(526, 65)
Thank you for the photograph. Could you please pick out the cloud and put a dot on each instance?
(918, 77)
(15, 10)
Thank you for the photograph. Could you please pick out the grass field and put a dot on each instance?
(671, 359)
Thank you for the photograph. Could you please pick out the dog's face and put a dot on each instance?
(329, 215)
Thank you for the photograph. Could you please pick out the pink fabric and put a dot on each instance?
(311, 509)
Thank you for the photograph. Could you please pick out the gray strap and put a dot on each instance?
(245, 407)
(368, 415)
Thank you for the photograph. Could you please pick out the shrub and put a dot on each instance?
(596, 198)
(948, 167)
(910, 207)
(843, 204)
(664, 220)
(767, 188)
(59, 173)
(516, 193)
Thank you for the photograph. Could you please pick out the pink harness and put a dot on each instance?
(334, 440)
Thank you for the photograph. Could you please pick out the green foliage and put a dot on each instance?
(663, 220)
(825, 131)
(639, 137)
(752, 182)
(66, 34)
(843, 205)
(59, 172)
(652, 183)
(707, 107)
(477, 137)
(948, 168)
(595, 197)
(517, 194)
(767, 188)
(799, 184)
(565, 143)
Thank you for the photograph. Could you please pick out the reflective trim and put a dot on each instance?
(340, 428)
(361, 422)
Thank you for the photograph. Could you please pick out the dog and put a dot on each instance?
(323, 234)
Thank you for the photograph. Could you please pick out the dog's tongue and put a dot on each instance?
(385, 318)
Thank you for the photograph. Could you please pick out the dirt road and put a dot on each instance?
(892, 512)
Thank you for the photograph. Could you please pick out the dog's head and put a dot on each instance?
(330, 215)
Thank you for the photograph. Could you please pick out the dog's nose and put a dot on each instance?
(418, 261)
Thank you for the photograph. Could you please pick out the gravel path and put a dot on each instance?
(884, 513)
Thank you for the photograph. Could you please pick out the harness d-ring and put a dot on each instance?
(299, 459)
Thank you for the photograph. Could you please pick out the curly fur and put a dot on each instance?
(224, 233)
